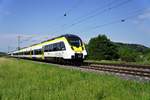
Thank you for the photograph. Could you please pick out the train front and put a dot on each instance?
(77, 47)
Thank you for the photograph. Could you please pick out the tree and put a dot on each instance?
(128, 54)
(101, 48)
(147, 57)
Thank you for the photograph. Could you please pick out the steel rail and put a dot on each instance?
(121, 70)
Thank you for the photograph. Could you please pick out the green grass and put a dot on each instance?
(117, 62)
(27, 80)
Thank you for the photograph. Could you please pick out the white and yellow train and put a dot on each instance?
(63, 48)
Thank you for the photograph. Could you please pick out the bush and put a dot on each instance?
(127, 54)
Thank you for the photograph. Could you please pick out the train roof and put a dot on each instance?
(65, 35)
(70, 35)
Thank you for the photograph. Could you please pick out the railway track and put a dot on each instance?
(141, 71)
(134, 70)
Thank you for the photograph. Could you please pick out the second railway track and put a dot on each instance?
(140, 71)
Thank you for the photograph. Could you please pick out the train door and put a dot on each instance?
(30, 53)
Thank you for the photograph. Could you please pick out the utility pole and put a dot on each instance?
(19, 42)
(8, 49)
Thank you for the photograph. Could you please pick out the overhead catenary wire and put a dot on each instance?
(65, 13)
(95, 10)
(92, 12)
(120, 20)
(101, 11)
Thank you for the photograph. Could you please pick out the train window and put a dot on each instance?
(54, 47)
(50, 47)
(62, 46)
(46, 48)
(35, 52)
(38, 51)
(28, 52)
(57, 46)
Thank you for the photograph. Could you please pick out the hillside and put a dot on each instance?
(136, 47)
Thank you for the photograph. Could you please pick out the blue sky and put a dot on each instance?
(37, 20)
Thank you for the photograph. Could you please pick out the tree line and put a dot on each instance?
(102, 48)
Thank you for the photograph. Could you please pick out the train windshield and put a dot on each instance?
(75, 42)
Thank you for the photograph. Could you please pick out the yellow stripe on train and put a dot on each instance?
(77, 49)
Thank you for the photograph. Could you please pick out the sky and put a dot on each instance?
(125, 21)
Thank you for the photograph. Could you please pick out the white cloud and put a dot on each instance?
(142, 21)
(145, 16)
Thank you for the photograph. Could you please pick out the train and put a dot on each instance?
(65, 48)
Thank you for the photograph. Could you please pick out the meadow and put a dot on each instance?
(29, 80)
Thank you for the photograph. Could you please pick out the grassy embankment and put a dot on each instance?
(27, 80)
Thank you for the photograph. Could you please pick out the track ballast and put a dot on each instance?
(135, 71)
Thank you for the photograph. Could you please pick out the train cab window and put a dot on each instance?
(74, 41)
